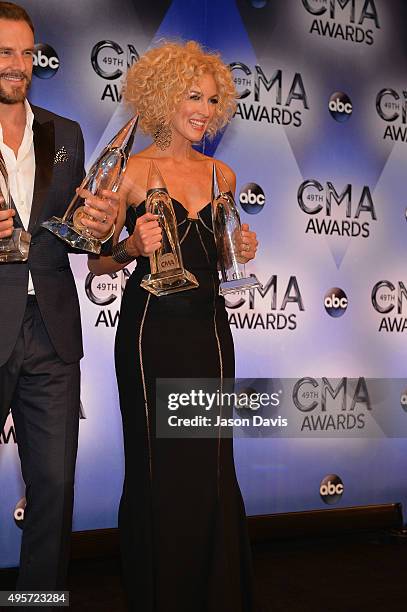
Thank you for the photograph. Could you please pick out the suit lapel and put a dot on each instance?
(44, 148)
(17, 220)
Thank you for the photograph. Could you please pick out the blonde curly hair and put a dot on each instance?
(157, 83)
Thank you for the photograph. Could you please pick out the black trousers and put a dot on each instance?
(43, 393)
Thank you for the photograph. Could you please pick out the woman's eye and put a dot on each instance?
(214, 101)
(194, 97)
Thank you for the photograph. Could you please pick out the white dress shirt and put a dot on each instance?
(21, 173)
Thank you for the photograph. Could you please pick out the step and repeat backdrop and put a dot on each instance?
(319, 146)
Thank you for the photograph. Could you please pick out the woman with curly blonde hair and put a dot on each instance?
(182, 520)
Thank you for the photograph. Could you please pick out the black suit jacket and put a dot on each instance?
(48, 262)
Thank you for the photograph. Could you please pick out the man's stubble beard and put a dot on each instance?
(17, 94)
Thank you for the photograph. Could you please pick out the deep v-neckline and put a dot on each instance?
(200, 210)
(184, 208)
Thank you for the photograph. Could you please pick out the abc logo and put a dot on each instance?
(335, 302)
(252, 198)
(331, 489)
(403, 400)
(45, 61)
(340, 106)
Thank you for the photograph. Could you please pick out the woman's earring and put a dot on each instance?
(162, 136)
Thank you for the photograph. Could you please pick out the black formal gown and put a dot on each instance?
(182, 519)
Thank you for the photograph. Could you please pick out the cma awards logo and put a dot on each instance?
(252, 198)
(403, 400)
(335, 302)
(45, 61)
(332, 405)
(275, 98)
(331, 489)
(349, 20)
(388, 299)
(103, 291)
(391, 106)
(340, 106)
(274, 300)
(111, 61)
(316, 201)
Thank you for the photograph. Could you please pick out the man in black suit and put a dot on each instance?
(40, 330)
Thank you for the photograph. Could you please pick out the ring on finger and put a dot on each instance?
(104, 219)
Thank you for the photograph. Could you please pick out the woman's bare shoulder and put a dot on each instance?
(139, 161)
(227, 172)
(134, 182)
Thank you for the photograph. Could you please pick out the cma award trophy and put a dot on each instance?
(227, 230)
(105, 173)
(168, 274)
(15, 247)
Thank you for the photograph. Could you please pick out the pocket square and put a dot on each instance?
(61, 156)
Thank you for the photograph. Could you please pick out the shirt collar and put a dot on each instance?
(29, 114)
(29, 118)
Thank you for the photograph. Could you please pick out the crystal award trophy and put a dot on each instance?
(227, 231)
(106, 173)
(168, 274)
(15, 247)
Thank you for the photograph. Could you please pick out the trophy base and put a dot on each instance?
(67, 232)
(16, 247)
(171, 281)
(239, 284)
